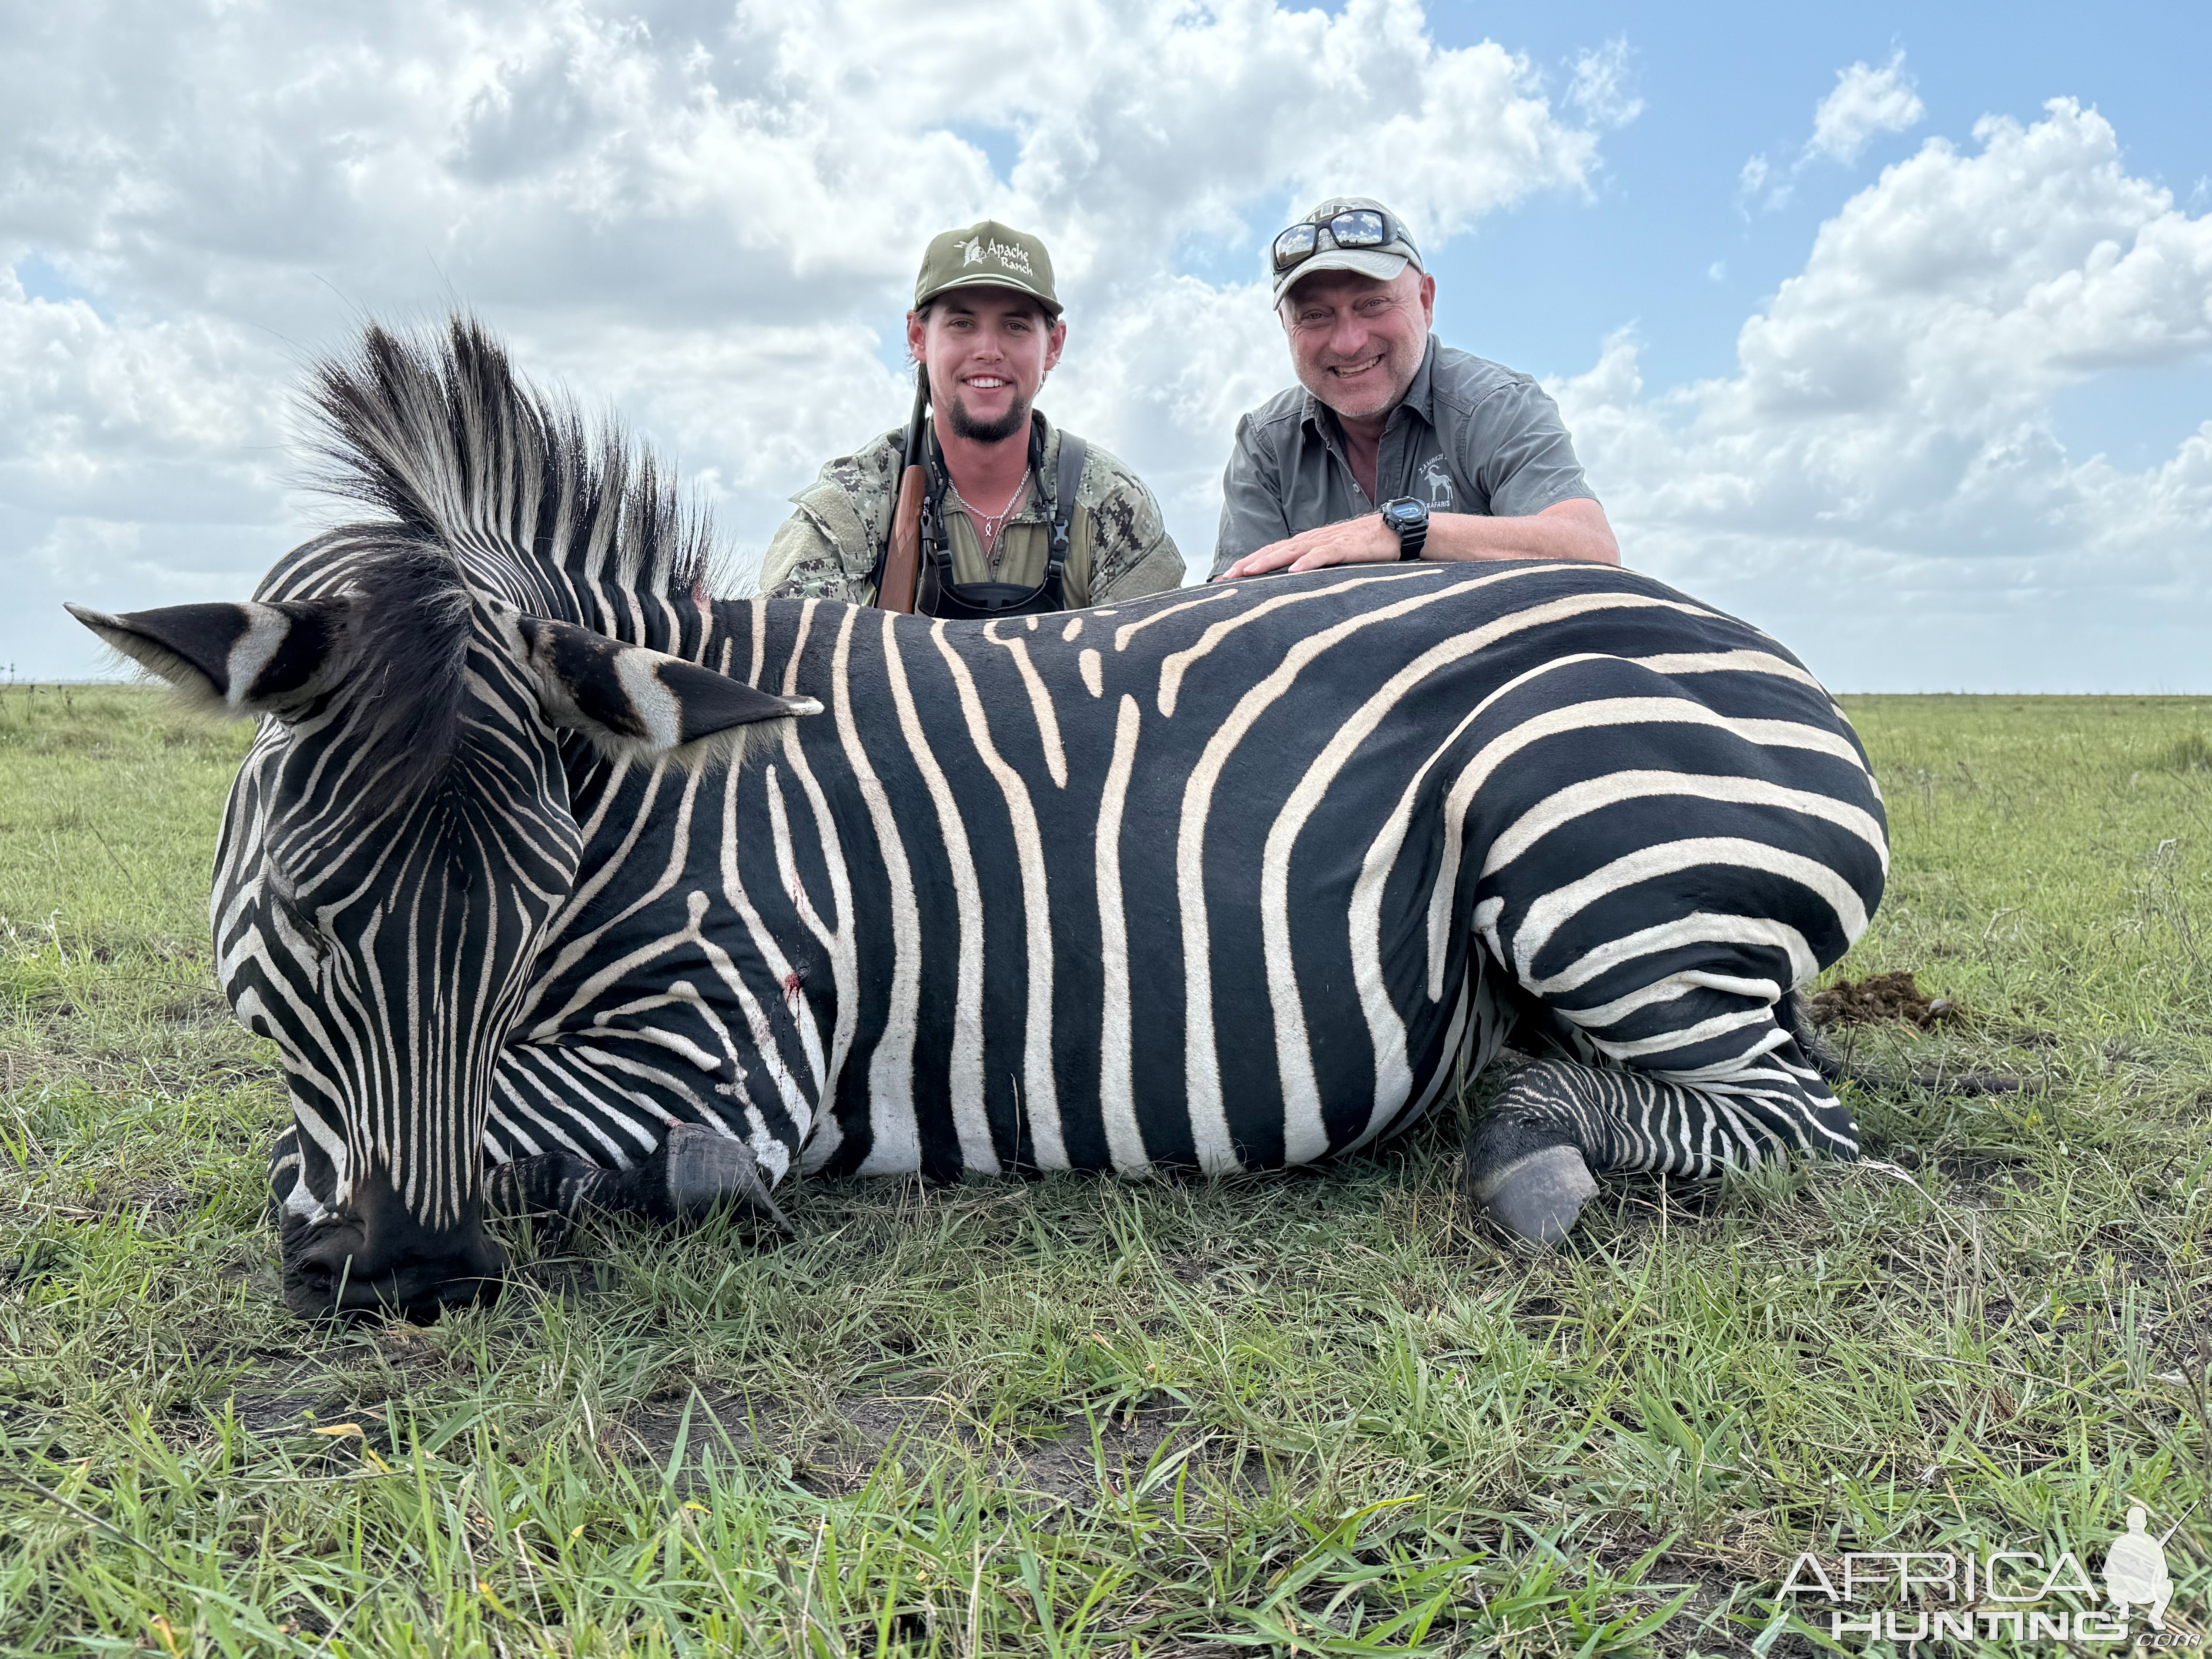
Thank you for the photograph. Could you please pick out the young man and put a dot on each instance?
(986, 326)
(1398, 447)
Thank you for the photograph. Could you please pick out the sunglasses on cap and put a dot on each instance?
(1354, 227)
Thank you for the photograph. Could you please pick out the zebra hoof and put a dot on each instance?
(1532, 1191)
(699, 1171)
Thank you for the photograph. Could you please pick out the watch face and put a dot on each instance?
(1405, 514)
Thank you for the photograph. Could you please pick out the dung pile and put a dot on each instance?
(1878, 997)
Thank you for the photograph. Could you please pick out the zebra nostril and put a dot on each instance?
(316, 1271)
(380, 1261)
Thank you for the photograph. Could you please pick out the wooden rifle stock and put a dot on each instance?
(902, 575)
(902, 560)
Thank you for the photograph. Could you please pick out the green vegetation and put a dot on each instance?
(1310, 1413)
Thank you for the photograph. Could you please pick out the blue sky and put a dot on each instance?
(1864, 404)
(1723, 82)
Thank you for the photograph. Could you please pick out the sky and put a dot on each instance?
(1888, 329)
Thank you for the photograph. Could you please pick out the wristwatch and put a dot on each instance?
(1409, 517)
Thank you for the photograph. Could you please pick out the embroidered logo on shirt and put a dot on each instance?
(1435, 480)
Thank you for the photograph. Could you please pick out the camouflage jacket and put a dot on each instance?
(1118, 546)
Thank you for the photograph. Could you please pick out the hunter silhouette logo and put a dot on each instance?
(1936, 1596)
(2135, 1569)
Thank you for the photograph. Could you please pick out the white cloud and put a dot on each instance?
(1865, 101)
(1751, 179)
(1603, 85)
(154, 422)
(708, 214)
(1885, 445)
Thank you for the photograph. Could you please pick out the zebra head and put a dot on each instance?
(396, 847)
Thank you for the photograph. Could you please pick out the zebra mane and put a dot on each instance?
(438, 435)
(400, 647)
(482, 486)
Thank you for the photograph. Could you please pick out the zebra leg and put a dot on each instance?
(1529, 1162)
(693, 1173)
(1523, 1168)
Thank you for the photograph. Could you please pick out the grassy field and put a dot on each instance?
(1310, 1413)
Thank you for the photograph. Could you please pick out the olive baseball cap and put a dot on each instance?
(1381, 262)
(987, 255)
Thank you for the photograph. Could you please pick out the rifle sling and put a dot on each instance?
(940, 596)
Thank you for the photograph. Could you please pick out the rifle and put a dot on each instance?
(903, 558)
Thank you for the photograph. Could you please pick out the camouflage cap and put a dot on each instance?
(1381, 263)
(987, 255)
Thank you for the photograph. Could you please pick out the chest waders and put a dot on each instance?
(938, 595)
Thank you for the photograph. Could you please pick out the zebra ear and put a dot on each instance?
(231, 660)
(636, 704)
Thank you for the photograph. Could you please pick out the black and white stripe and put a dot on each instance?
(1219, 879)
(1328, 810)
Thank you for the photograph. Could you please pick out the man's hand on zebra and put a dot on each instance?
(1363, 540)
(1565, 530)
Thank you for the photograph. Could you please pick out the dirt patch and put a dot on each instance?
(1978, 1171)
(710, 1422)
(567, 1279)
(884, 1426)
(161, 1207)
(1076, 1469)
(272, 1414)
(1191, 1268)
(1077, 1465)
(1715, 1579)
(1876, 998)
(714, 1425)
(256, 1268)
(265, 1414)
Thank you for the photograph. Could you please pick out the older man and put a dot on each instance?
(1028, 517)
(1398, 447)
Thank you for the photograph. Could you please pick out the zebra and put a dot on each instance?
(560, 886)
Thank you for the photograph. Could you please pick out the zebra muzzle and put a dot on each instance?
(378, 1259)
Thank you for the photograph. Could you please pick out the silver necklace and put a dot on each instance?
(988, 526)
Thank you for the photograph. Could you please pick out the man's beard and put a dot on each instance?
(966, 426)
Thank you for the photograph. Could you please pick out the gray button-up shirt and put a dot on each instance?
(1469, 436)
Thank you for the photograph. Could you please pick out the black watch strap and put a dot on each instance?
(1413, 532)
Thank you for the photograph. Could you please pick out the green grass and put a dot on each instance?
(1308, 1414)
